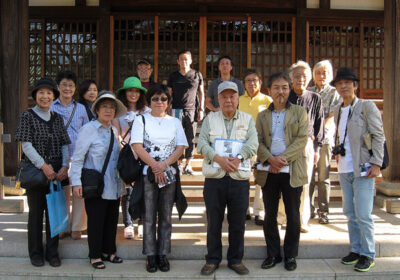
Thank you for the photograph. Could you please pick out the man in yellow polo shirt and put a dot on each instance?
(253, 102)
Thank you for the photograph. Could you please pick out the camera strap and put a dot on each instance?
(338, 121)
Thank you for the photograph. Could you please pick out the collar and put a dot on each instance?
(260, 95)
(287, 106)
(98, 124)
(58, 101)
(235, 116)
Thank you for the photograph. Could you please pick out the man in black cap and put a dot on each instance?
(144, 71)
(359, 150)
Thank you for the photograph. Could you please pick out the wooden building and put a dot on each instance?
(103, 39)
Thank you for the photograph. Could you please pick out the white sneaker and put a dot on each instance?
(140, 231)
(129, 233)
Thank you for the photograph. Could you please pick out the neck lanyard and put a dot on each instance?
(338, 121)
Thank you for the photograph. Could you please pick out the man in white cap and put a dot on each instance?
(228, 140)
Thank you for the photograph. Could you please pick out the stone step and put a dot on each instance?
(329, 269)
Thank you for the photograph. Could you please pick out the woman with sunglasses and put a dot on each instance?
(133, 96)
(159, 142)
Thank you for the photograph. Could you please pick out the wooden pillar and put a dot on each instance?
(301, 32)
(14, 70)
(104, 73)
(390, 187)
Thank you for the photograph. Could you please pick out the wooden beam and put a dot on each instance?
(248, 42)
(156, 46)
(203, 46)
(86, 12)
(325, 4)
(14, 71)
(80, 3)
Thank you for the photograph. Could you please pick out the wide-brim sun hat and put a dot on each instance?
(131, 82)
(120, 110)
(45, 83)
(344, 73)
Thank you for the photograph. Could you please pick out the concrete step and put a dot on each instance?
(329, 269)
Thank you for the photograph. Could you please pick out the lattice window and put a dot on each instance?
(372, 61)
(351, 44)
(133, 39)
(175, 36)
(62, 45)
(226, 37)
(271, 46)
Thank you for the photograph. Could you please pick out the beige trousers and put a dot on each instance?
(77, 216)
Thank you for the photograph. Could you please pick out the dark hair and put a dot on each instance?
(158, 89)
(224, 57)
(276, 76)
(69, 75)
(182, 52)
(251, 71)
(83, 88)
(140, 104)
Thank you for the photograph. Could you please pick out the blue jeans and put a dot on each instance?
(358, 199)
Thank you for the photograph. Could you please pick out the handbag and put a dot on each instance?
(129, 167)
(93, 180)
(31, 177)
(57, 210)
(368, 143)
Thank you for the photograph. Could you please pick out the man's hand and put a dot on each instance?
(236, 162)
(200, 116)
(374, 171)
(62, 174)
(48, 171)
(274, 170)
(77, 191)
(277, 162)
(316, 158)
(226, 163)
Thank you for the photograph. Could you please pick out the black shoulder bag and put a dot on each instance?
(128, 166)
(93, 180)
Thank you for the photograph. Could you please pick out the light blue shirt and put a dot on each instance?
(278, 144)
(79, 119)
(90, 152)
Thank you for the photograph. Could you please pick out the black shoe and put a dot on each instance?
(351, 258)
(258, 221)
(163, 263)
(290, 264)
(239, 268)
(248, 217)
(208, 269)
(54, 261)
(323, 219)
(270, 262)
(151, 264)
(364, 264)
(37, 261)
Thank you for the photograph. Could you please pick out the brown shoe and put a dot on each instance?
(209, 269)
(64, 234)
(239, 268)
(76, 235)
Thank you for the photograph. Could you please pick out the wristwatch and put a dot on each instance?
(239, 156)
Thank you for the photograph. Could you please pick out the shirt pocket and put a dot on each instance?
(241, 134)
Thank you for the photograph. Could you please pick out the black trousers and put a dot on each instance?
(219, 194)
(37, 205)
(189, 125)
(276, 185)
(102, 222)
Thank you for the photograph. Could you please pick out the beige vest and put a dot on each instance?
(218, 130)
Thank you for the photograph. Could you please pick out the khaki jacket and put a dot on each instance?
(357, 127)
(296, 135)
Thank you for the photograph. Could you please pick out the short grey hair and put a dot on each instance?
(327, 65)
(302, 64)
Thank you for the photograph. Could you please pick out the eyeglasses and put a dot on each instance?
(67, 85)
(156, 99)
(252, 81)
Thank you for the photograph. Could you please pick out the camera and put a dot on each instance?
(339, 150)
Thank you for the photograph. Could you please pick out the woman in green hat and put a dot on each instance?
(132, 94)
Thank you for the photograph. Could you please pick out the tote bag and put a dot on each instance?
(57, 210)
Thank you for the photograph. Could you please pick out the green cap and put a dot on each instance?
(131, 82)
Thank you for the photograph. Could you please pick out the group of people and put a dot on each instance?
(286, 137)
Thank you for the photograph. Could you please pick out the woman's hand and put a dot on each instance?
(62, 174)
(160, 178)
(48, 171)
(158, 167)
(77, 191)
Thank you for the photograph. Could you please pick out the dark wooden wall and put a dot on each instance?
(14, 64)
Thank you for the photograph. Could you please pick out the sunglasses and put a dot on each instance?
(156, 99)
